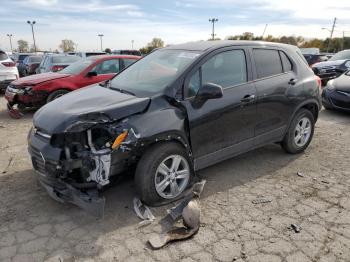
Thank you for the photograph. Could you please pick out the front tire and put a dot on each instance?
(56, 94)
(163, 173)
(300, 132)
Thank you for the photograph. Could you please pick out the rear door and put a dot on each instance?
(221, 127)
(275, 75)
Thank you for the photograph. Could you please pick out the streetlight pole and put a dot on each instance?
(213, 20)
(101, 35)
(10, 37)
(262, 37)
(32, 25)
(132, 44)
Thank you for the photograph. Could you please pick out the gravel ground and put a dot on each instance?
(35, 228)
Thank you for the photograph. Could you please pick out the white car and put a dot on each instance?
(8, 70)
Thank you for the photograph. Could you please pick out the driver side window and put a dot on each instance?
(107, 67)
(226, 69)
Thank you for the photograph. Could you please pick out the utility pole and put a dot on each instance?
(10, 37)
(132, 44)
(32, 25)
(100, 35)
(330, 39)
(213, 20)
(262, 37)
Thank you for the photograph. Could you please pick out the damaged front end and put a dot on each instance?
(75, 164)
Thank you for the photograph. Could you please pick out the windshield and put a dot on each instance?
(77, 67)
(154, 72)
(341, 56)
(21, 57)
(64, 59)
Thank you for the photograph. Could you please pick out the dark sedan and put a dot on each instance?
(336, 95)
(334, 67)
(30, 64)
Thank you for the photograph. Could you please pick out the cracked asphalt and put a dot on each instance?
(34, 227)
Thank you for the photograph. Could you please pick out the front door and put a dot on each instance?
(221, 127)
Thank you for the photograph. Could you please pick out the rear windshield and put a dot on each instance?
(3, 55)
(35, 59)
(77, 67)
(65, 59)
(21, 57)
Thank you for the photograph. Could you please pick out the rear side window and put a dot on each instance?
(287, 65)
(268, 62)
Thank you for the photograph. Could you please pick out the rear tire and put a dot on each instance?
(300, 132)
(56, 94)
(151, 175)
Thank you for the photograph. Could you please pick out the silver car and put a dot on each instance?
(55, 62)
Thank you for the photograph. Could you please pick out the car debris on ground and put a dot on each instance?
(143, 212)
(261, 200)
(295, 228)
(300, 174)
(189, 210)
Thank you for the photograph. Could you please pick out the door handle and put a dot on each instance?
(293, 81)
(248, 98)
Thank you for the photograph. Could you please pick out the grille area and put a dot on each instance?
(37, 160)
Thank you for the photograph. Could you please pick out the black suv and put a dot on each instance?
(178, 110)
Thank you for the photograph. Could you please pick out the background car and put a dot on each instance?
(8, 70)
(19, 58)
(36, 90)
(88, 54)
(56, 62)
(336, 95)
(334, 67)
(127, 52)
(30, 64)
(313, 59)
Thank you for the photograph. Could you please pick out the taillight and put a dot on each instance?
(56, 68)
(9, 64)
(319, 82)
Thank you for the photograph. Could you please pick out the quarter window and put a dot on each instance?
(287, 65)
(268, 62)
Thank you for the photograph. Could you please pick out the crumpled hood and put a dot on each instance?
(37, 79)
(86, 104)
(342, 83)
(329, 63)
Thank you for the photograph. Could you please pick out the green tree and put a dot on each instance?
(22, 46)
(67, 45)
(155, 43)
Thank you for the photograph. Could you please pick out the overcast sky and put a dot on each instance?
(174, 21)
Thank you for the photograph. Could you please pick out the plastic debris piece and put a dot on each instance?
(296, 228)
(143, 212)
(300, 174)
(261, 200)
(189, 209)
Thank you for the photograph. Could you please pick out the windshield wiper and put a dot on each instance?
(122, 90)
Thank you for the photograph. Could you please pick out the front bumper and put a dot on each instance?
(18, 96)
(336, 100)
(47, 164)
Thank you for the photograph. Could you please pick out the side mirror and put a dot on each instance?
(91, 74)
(209, 91)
